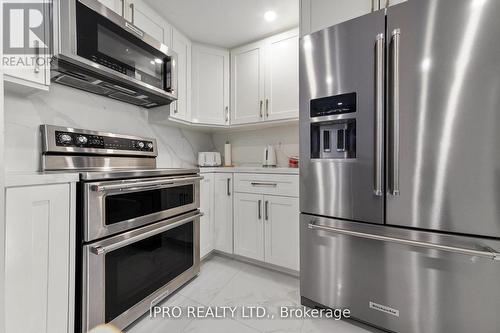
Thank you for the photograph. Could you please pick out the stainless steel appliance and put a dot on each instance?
(399, 167)
(138, 226)
(97, 50)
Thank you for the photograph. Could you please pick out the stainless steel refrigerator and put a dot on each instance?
(400, 167)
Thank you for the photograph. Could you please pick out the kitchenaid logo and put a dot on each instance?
(25, 40)
(384, 308)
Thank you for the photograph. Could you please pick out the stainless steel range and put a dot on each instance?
(399, 167)
(138, 226)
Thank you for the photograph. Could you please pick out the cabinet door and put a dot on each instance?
(182, 46)
(282, 76)
(248, 225)
(207, 221)
(146, 19)
(247, 84)
(30, 69)
(281, 215)
(223, 212)
(319, 14)
(118, 6)
(39, 253)
(210, 85)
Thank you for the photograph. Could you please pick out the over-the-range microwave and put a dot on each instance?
(97, 50)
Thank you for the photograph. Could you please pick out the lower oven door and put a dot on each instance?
(111, 207)
(123, 276)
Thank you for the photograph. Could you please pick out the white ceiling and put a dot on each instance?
(227, 23)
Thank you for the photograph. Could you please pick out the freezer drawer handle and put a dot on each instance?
(379, 115)
(98, 250)
(484, 254)
(143, 185)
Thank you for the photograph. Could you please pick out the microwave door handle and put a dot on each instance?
(99, 250)
(396, 35)
(143, 185)
(379, 114)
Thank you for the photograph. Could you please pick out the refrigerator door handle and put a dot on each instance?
(490, 254)
(394, 187)
(379, 114)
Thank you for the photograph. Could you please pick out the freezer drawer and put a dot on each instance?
(401, 287)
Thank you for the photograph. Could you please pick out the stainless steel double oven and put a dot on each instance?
(138, 228)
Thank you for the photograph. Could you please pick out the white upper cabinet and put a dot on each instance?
(282, 76)
(30, 69)
(118, 6)
(319, 14)
(146, 19)
(210, 85)
(247, 84)
(265, 79)
(182, 46)
(394, 2)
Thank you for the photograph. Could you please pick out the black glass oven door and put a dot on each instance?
(127, 206)
(102, 41)
(135, 271)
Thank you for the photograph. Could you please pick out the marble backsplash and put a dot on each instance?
(65, 106)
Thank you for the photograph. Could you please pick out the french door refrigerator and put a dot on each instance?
(400, 167)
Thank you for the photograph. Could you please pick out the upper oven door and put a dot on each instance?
(115, 206)
(120, 47)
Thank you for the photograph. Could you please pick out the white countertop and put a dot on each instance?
(250, 169)
(13, 179)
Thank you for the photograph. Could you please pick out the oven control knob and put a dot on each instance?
(82, 139)
(150, 145)
(65, 138)
(140, 144)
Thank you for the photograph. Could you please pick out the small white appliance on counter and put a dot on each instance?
(269, 158)
(209, 159)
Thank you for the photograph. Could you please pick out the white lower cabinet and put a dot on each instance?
(40, 242)
(207, 230)
(248, 226)
(259, 221)
(266, 228)
(281, 231)
(223, 212)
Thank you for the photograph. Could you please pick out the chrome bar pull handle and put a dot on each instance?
(260, 108)
(227, 114)
(394, 190)
(267, 210)
(228, 187)
(37, 56)
(259, 209)
(267, 108)
(123, 7)
(379, 115)
(132, 12)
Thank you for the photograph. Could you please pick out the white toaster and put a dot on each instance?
(211, 159)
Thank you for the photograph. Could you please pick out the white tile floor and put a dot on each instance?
(227, 282)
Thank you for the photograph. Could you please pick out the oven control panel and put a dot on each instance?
(91, 141)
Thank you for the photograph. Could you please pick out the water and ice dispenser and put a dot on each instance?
(333, 127)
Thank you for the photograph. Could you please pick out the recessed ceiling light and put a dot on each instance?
(270, 15)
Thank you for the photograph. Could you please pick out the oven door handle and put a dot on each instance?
(145, 185)
(99, 250)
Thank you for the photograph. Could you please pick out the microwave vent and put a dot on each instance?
(129, 99)
(81, 84)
